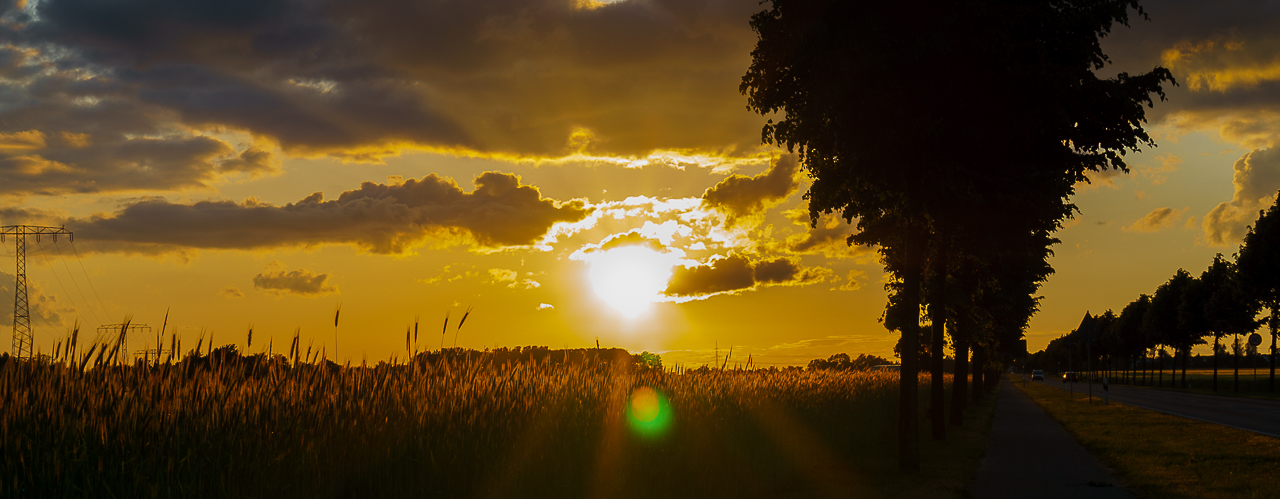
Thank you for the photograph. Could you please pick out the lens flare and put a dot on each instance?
(648, 412)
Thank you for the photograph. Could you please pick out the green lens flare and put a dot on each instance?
(648, 412)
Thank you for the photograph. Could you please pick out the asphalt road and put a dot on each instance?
(1256, 415)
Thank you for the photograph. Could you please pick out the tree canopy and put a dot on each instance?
(919, 124)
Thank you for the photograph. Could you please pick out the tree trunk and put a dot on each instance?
(1235, 351)
(1160, 366)
(1186, 357)
(938, 317)
(1274, 320)
(960, 380)
(909, 382)
(1217, 339)
(979, 359)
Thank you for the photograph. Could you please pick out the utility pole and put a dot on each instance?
(23, 344)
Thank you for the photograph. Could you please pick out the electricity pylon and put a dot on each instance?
(23, 344)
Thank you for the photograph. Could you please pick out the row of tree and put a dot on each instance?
(953, 136)
(1226, 299)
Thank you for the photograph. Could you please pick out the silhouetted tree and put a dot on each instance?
(1129, 328)
(1228, 309)
(895, 110)
(1259, 267)
(1161, 319)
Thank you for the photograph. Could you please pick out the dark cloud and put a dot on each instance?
(738, 273)
(742, 196)
(1223, 56)
(299, 282)
(231, 292)
(363, 80)
(12, 215)
(382, 218)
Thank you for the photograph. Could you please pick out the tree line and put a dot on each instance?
(1225, 300)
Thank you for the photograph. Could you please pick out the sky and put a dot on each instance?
(571, 171)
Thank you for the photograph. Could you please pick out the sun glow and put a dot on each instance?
(630, 278)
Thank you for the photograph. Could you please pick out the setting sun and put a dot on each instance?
(630, 278)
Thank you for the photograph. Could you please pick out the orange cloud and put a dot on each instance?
(1159, 218)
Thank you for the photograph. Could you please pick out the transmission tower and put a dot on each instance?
(22, 341)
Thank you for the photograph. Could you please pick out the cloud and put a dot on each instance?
(735, 273)
(512, 279)
(851, 282)
(1159, 218)
(299, 282)
(364, 81)
(232, 291)
(1256, 178)
(380, 218)
(829, 237)
(44, 308)
(545, 306)
(1160, 174)
(739, 196)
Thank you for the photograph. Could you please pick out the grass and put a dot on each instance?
(458, 427)
(1159, 455)
(1201, 381)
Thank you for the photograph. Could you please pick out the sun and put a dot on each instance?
(629, 279)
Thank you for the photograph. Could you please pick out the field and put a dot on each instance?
(460, 426)
(1201, 381)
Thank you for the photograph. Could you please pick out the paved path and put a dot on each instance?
(1256, 415)
(1031, 456)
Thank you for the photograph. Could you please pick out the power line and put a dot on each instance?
(44, 257)
(63, 258)
(87, 279)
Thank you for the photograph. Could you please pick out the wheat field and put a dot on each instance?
(439, 425)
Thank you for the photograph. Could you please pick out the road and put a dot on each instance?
(1256, 415)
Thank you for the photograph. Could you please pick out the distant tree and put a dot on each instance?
(1129, 328)
(1229, 309)
(646, 360)
(1161, 319)
(1259, 270)
(842, 362)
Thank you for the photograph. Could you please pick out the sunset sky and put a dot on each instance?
(572, 169)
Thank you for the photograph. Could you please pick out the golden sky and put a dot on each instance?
(574, 170)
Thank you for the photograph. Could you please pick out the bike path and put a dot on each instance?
(1031, 455)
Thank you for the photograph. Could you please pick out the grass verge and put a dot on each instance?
(1159, 455)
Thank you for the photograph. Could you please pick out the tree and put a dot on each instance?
(1259, 270)
(1229, 310)
(1129, 328)
(895, 112)
(1161, 319)
(1193, 323)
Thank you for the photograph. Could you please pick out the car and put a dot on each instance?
(1037, 375)
(1069, 376)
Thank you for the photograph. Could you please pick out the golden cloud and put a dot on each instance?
(1256, 178)
(1159, 218)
